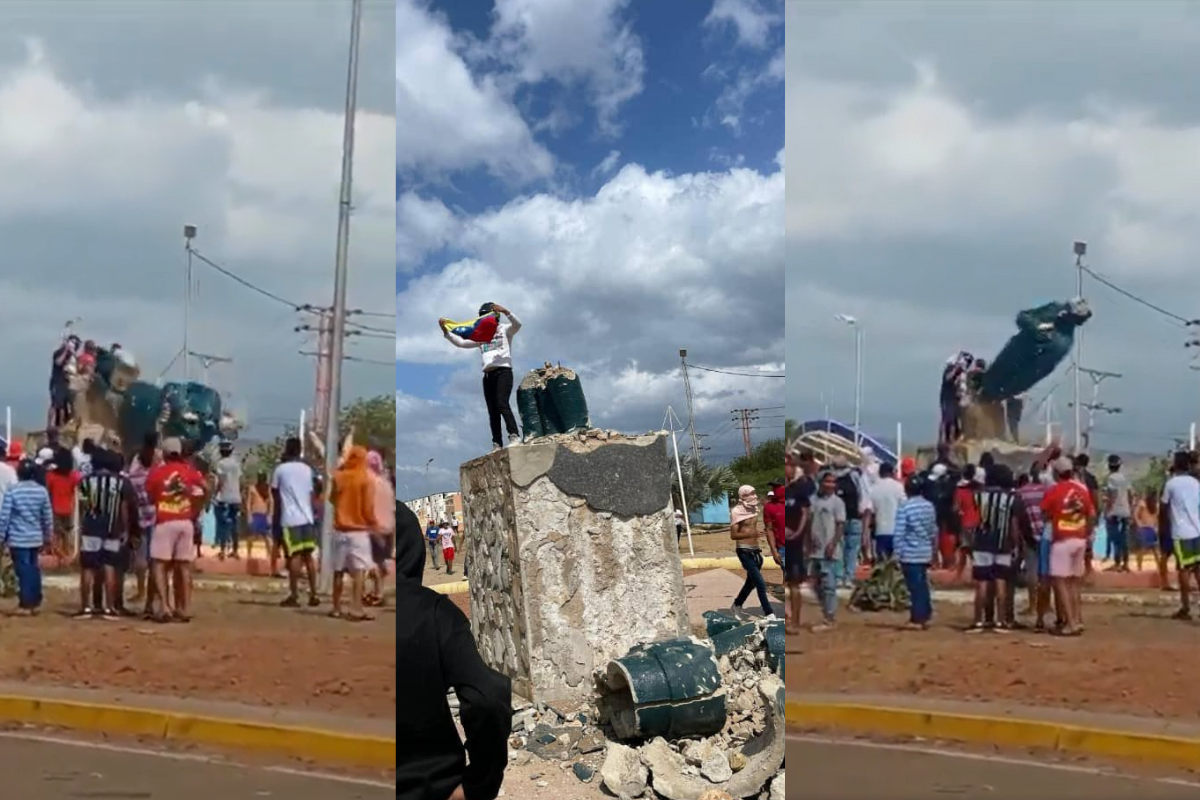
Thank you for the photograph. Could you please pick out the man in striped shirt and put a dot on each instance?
(993, 550)
(26, 526)
(108, 516)
(1036, 548)
(914, 542)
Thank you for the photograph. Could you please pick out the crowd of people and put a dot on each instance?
(143, 516)
(1036, 530)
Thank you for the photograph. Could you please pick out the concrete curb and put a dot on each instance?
(1005, 732)
(965, 597)
(310, 744)
(729, 562)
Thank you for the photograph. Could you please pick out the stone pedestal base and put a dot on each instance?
(573, 559)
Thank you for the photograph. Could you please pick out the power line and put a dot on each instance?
(233, 276)
(1135, 298)
(739, 374)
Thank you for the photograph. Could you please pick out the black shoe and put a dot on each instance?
(290, 602)
(85, 613)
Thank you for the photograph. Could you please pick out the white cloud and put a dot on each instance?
(449, 119)
(567, 42)
(608, 164)
(750, 19)
(97, 187)
(612, 285)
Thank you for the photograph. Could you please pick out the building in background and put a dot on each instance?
(438, 507)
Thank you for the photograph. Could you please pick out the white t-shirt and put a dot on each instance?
(8, 477)
(294, 482)
(498, 352)
(1182, 498)
(446, 534)
(886, 496)
(678, 517)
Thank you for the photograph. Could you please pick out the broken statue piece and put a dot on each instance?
(623, 773)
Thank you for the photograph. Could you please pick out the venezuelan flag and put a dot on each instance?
(476, 330)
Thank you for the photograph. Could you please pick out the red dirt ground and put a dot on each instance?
(239, 648)
(1129, 661)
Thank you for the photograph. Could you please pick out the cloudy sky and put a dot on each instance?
(943, 158)
(612, 172)
(122, 121)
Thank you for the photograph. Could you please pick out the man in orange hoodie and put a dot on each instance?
(353, 498)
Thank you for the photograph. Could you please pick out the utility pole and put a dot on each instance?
(1080, 252)
(687, 391)
(1097, 377)
(324, 331)
(207, 361)
(338, 328)
(743, 417)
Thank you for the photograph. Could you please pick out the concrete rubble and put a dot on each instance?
(742, 761)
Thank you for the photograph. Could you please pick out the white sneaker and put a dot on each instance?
(770, 618)
(514, 438)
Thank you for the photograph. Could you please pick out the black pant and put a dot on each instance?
(497, 389)
(752, 562)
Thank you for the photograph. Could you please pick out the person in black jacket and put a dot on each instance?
(437, 654)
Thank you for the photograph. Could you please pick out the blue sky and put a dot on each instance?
(613, 173)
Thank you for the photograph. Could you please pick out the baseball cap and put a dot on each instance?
(1062, 465)
(172, 446)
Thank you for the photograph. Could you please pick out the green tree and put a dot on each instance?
(374, 422)
(791, 429)
(703, 482)
(1153, 478)
(763, 465)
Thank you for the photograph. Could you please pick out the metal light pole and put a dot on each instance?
(337, 345)
(858, 372)
(189, 233)
(1080, 252)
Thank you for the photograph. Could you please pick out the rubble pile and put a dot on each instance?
(743, 760)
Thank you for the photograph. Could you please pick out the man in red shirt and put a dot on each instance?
(62, 482)
(773, 515)
(1071, 513)
(177, 490)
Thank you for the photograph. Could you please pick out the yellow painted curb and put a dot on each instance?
(729, 562)
(1008, 732)
(295, 742)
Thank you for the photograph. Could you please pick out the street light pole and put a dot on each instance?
(858, 372)
(337, 345)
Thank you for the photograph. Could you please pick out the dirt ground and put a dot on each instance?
(1129, 660)
(239, 648)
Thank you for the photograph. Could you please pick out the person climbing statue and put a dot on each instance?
(497, 370)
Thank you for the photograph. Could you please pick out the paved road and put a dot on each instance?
(36, 770)
(852, 772)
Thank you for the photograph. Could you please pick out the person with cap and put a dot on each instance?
(438, 655)
(497, 371)
(1069, 509)
(108, 518)
(1179, 514)
(294, 487)
(227, 502)
(178, 491)
(26, 526)
(915, 531)
(745, 531)
(993, 546)
(1118, 509)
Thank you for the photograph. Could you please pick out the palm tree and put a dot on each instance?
(705, 483)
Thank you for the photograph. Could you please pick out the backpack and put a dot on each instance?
(846, 487)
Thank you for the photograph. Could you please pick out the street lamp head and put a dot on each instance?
(189, 232)
(846, 318)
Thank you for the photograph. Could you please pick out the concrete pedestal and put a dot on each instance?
(572, 556)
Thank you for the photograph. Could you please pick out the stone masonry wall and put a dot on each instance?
(573, 558)
(497, 596)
